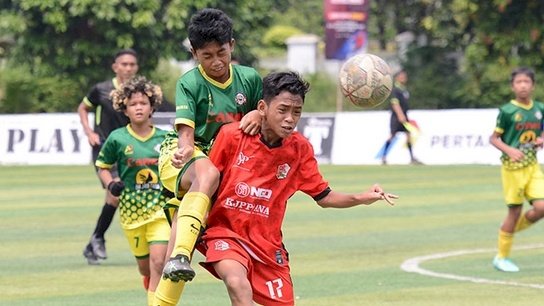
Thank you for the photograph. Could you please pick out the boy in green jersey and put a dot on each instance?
(214, 93)
(518, 134)
(135, 150)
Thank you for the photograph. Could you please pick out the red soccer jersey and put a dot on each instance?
(256, 182)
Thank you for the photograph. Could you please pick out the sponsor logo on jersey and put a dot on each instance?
(246, 207)
(282, 172)
(240, 98)
(241, 159)
(243, 190)
(221, 245)
(146, 179)
(129, 150)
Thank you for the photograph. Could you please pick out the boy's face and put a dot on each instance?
(215, 59)
(139, 108)
(523, 87)
(281, 115)
(125, 67)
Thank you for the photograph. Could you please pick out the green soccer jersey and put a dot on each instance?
(137, 162)
(205, 105)
(519, 126)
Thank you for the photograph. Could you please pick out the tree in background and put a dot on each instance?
(71, 43)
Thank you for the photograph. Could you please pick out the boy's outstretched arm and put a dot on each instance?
(345, 200)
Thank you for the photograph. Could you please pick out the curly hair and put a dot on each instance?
(139, 84)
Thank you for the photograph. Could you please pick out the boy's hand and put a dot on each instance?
(116, 187)
(182, 156)
(380, 194)
(515, 154)
(539, 142)
(251, 123)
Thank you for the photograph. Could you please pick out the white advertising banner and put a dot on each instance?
(459, 136)
(43, 139)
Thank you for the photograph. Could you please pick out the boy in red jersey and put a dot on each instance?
(243, 241)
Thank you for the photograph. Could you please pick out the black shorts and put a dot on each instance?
(396, 127)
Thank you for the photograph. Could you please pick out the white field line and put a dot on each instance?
(412, 265)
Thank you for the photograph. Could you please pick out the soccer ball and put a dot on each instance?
(365, 80)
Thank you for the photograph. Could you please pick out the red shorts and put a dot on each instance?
(272, 285)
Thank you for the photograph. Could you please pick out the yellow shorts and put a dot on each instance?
(154, 232)
(526, 183)
(170, 175)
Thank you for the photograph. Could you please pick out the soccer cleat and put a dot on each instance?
(416, 162)
(90, 256)
(99, 247)
(504, 265)
(178, 269)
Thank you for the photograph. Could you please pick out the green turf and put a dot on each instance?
(338, 257)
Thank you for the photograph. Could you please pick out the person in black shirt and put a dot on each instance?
(98, 100)
(399, 115)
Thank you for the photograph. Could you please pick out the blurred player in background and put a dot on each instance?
(518, 134)
(208, 96)
(259, 173)
(135, 149)
(125, 66)
(399, 116)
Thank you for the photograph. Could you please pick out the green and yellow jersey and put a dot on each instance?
(519, 125)
(205, 105)
(137, 162)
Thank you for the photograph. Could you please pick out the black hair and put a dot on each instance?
(277, 82)
(209, 25)
(140, 84)
(522, 70)
(122, 52)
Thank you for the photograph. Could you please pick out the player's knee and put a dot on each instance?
(209, 178)
(237, 285)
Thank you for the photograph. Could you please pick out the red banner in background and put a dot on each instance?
(345, 28)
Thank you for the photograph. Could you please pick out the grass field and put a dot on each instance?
(338, 257)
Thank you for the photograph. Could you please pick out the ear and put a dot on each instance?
(262, 107)
(232, 43)
(193, 52)
(113, 67)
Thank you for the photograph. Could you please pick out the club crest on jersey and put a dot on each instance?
(221, 245)
(129, 150)
(538, 115)
(282, 172)
(241, 159)
(240, 98)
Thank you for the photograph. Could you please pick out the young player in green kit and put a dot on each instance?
(214, 93)
(517, 135)
(135, 150)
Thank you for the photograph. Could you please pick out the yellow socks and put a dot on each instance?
(522, 223)
(505, 244)
(191, 213)
(168, 293)
(150, 297)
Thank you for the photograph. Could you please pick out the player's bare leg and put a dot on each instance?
(234, 275)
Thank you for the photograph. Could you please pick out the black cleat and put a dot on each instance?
(178, 269)
(88, 253)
